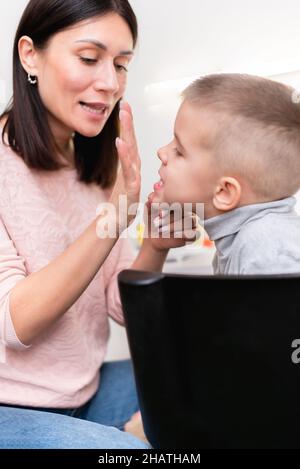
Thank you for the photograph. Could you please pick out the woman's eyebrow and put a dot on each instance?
(103, 46)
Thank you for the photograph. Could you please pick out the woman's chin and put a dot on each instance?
(89, 131)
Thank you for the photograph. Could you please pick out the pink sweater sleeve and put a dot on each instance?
(120, 258)
(12, 270)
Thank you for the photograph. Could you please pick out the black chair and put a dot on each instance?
(213, 358)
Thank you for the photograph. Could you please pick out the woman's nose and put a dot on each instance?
(162, 155)
(107, 79)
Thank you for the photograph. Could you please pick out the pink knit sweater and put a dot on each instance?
(41, 214)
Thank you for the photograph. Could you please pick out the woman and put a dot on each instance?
(58, 278)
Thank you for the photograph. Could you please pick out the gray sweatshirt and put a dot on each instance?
(257, 239)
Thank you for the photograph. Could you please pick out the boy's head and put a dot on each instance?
(236, 142)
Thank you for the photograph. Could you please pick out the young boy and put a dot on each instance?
(236, 148)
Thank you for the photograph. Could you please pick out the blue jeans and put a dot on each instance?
(96, 425)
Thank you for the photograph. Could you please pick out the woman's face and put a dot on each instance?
(83, 72)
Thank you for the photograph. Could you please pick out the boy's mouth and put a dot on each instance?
(158, 185)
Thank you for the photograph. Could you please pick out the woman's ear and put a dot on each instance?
(227, 194)
(28, 55)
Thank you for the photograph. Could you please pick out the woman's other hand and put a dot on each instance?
(169, 229)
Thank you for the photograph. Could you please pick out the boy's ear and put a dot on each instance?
(227, 194)
(27, 54)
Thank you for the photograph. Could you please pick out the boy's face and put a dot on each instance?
(188, 171)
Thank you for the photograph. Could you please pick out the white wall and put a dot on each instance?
(187, 39)
(9, 17)
(180, 39)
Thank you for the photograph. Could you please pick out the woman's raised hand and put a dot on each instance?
(126, 192)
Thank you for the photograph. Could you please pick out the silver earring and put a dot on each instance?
(32, 80)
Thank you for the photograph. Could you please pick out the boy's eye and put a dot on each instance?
(177, 152)
(88, 60)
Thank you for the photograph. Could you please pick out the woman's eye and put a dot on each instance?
(121, 68)
(88, 60)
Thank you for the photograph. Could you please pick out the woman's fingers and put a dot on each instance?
(169, 222)
(129, 175)
(126, 107)
(126, 167)
(189, 222)
(128, 134)
(178, 231)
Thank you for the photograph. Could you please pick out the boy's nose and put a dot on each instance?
(162, 155)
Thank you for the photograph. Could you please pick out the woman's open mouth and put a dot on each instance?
(96, 109)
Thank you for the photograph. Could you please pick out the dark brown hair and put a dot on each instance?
(26, 128)
(256, 129)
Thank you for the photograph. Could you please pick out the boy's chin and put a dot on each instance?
(157, 198)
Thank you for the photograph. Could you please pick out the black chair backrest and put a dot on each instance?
(213, 358)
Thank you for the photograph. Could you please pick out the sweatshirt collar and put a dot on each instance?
(231, 222)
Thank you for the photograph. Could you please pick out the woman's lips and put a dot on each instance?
(95, 110)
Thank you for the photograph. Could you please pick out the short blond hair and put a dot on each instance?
(258, 129)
